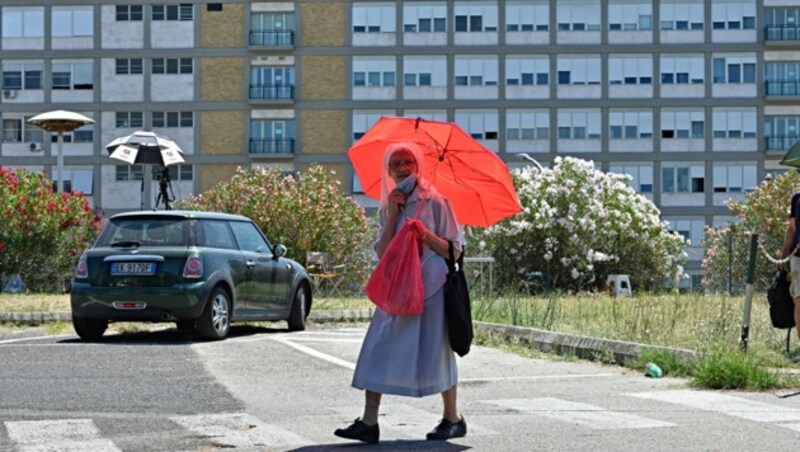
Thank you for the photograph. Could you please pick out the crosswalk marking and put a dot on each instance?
(725, 404)
(240, 430)
(584, 414)
(62, 435)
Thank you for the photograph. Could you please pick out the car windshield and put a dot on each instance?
(128, 232)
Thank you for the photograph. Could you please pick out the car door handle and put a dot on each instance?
(251, 264)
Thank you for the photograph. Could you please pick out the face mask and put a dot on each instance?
(407, 184)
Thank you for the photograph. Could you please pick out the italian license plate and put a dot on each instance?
(133, 268)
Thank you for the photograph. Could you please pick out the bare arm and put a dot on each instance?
(439, 245)
(788, 238)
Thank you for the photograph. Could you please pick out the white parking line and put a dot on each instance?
(581, 413)
(239, 430)
(537, 377)
(63, 435)
(315, 353)
(35, 338)
(724, 404)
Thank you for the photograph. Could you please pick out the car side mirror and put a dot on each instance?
(279, 250)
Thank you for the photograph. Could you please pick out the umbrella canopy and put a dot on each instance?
(60, 120)
(792, 157)
(475, 180)
(145, 147)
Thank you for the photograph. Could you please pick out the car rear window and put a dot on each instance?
(145, 232)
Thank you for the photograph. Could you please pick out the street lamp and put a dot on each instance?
(532, 160)
(60, 121)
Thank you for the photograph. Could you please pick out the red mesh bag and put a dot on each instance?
(395, 285)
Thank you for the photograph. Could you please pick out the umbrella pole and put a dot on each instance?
(60, 162)
(148, 181)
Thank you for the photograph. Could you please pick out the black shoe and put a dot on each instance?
(360, 431)
(448, 430)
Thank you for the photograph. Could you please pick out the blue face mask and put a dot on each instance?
(407, 185)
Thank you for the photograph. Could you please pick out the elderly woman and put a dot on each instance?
(411, 355)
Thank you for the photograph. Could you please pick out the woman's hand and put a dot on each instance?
(396, 202)
(419, 229)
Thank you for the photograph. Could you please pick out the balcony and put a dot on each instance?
(782, 87)
(272, 38)
(782, 33)
(780, 142)
(271, 92)
(271, 146)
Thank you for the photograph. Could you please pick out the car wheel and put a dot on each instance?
(186, 326)
(298, 314)
(89, 329)
(215, 322)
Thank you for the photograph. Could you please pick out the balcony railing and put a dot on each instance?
(261, 146)
(782, 87)
(270, 92)
(780, 142)
(782, 33)
(272, 38)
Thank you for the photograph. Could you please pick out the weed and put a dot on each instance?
(727, 368)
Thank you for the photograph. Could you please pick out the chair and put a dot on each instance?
(325, 276)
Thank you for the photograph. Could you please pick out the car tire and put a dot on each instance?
(89, 329)
(215, 322)
(299, 311)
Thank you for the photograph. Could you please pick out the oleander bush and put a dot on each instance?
(42, 233)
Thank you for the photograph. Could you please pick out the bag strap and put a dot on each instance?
(451, 262)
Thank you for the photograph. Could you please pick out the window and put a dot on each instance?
(272, 136)
(125, 66)
(578, 15)
(734, 177)
(682, 16)
(781, 132)
(374, 18)
(364, 119)
(527, 125)
(527, 15)
(641, 175)
(79, 180)
(373, 71)
(173, 119)
(181, 172)
(425, 17)
(630, 125)
(271, 82)
(73, 76)
(682, 69)
(23, 22)
(480, 124)
(172, 66)
(734, 123)
(682, 178)
(630, 16)
(425, 71)
(691, 230)
(783, 78)
(735, 69)
(248, 237)
(682, 124)
(579, 124)
(18, 130)
(579, 70)
(475, 71)
(129, 13)
(83, 134)
(527, 70)
(183, 12)
(133, 119)
(733, 15)
(475, 17)
(215, 234)
(72, 21)
(272, 29)
(22, 75)
(630, 70)
(128, 172)
(782, 24)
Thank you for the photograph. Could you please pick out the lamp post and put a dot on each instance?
(532, 160)
(60, 121)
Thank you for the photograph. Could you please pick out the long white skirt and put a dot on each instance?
(408, 355)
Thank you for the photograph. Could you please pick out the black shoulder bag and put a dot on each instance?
(457, 305)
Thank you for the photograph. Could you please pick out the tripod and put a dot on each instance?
(165, 193)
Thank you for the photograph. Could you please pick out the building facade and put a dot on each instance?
(697, 101)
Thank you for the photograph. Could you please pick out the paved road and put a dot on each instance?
(266, 389)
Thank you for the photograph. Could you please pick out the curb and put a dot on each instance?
(546, 341)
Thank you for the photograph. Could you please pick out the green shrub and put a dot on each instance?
(42, 233)
(307, 213)
(732, 369)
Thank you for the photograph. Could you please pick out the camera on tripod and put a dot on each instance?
(165, 193)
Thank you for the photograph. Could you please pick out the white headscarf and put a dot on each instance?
(387, 183)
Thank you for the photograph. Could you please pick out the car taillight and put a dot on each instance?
(82, 269)
(193, 268)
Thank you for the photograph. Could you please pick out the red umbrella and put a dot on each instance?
(473, 178)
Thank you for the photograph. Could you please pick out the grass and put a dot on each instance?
(710, 325)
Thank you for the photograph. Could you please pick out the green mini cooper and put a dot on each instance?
(201, 270)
